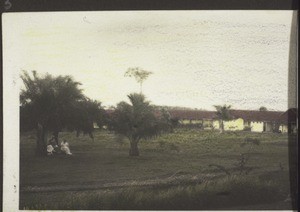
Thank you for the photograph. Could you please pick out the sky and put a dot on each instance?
(198, 58)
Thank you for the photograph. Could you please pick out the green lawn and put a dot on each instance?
(185, 154)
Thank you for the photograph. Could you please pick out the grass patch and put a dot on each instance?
(222, 193)
(184, 152)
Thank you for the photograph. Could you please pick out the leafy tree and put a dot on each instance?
(174, 122)
(223, 113)
(167, 122)
(136, 121)
(262, 108)
(85, 113)
(47, 100)
(50, 104)
(139, 74)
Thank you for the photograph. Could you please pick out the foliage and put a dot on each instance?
(139, 74)
(137, 121)
(166, 122)
(262, 108)
(241, 165)
(174, 122)
(51, 104)
(48, 99)
(84, 114)
(223, 113)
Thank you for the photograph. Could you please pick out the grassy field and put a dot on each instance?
(187, 169)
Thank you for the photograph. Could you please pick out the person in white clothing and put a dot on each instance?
(64, 147)
(50, 149)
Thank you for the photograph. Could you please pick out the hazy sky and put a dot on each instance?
(199, 58)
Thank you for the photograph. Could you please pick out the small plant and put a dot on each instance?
(241, 165)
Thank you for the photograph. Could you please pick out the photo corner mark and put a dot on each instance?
(7, 5)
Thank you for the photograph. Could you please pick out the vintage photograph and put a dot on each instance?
(151, 110)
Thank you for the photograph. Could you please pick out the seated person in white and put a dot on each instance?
(64, 147)
(50, 149)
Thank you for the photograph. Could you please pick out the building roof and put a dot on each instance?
(248, 115)
(193, 114)
(254, 115)
(289, 116)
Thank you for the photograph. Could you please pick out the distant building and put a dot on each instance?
(251, 120)
(247, 120)
(288, 121)
(201, 118)
(257, 121)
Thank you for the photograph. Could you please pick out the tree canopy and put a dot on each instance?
(139, 74)
(262, 108)
(49, 98)
(223, 113)
(84, 114)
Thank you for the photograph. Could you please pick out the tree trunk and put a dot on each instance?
(221, 126)
(134, 151)
(41, 141)
(91, 135)
(56, 137)
(141, 87)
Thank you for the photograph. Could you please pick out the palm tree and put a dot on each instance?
(135, 121)
(223, 113)
(50, 103)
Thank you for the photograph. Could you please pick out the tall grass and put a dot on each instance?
(220, 194)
